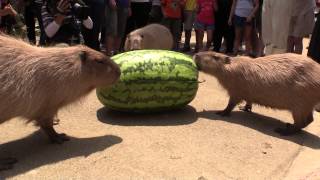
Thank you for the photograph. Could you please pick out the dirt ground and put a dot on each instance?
(191, 143)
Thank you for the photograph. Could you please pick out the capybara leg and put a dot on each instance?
(47, 126)
(7, 163)
(54, 136)
(300, 121)
(232, 103)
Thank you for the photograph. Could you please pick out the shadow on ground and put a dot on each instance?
(183, 116)
(34, 151)
(265, 125)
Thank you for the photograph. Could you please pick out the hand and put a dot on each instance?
(63, 6)
(9, 9)
(113, 4)
(249, 19)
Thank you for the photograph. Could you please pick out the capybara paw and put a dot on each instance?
(7, 163)
(245, 108)
(223, 113)
(59, 138)
(288, 130)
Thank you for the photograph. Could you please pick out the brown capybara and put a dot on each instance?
(152, 36)
(37, 82)
(283, 81)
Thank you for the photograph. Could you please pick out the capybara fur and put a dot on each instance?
(37, 82)
(152, 36)
(283, 81)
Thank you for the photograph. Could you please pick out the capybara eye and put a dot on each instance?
(100, 62)
(142, 36)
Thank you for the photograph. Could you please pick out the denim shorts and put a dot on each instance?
(203, 26)
(241, 21)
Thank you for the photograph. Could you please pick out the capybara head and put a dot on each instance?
(100, 69)
(208, 61)
(134, 41)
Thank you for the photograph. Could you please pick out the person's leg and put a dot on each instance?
(298, 45)
(218, 34)
(111, 29)
(188, 22)
(230, 37)
(91, 36)
(199, 39)
(42, 41)
(209, 38)
(247, 38)
(176, 31)
(30, 23)
(122, 19)
(290, 44)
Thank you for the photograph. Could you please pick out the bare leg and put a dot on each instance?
(109, 45)
(300, 121)
(232, 103)
(7, 163)
(209, 39)
(237, 40)
(199, 39)
(247, 38)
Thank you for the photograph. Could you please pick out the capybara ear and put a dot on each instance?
(83, 56)
(227, 60)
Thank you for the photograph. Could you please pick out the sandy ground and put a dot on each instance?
(192, 143)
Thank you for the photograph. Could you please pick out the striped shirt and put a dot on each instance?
(47, 18)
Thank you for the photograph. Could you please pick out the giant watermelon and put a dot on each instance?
(151, 80)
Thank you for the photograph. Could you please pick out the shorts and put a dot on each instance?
(203, 26)
(302, 25)
(116, 20)
(241, 21)
(189, 18)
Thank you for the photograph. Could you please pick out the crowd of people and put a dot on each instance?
(269, 26)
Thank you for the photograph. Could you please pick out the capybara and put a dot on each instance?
(283, 81)
(37, 82)
(152, 36)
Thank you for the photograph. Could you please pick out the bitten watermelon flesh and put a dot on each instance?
(151, 80)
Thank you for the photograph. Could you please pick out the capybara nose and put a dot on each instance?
(117, 73)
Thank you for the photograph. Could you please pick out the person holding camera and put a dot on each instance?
(61, 20)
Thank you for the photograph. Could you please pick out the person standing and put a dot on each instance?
(222, 29)
(96, 12)
(301, 24)
(242, 15)
(189, 18)
(172, 12)
(205, 21)
(32, 10)
(117, 13)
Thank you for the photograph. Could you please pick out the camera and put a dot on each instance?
(78, 8)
